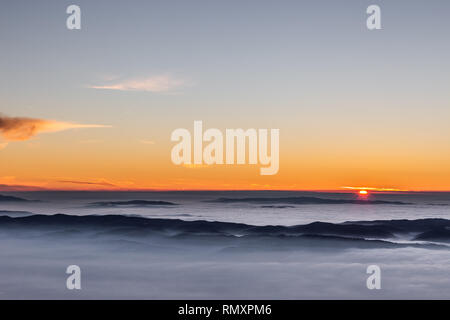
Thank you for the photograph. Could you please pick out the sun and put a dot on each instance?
(363, 192)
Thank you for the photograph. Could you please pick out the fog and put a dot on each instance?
(119, 264)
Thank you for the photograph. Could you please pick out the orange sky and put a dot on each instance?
(68, 161)
(94, 109)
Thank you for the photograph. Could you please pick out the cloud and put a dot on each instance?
(92, 141)
(159, 84)
(100, 183)
(15, 187)
(10, 183)
(147, 141)
(196, 166)
(20, 129)
(373, 189)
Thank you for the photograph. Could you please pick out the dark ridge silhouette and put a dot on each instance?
(136, 203)
(304, 200)
(11, 199)
(15, 213)
(277, 207)
(119, 225)
(437, 235)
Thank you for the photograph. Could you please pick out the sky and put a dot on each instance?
(94, 108)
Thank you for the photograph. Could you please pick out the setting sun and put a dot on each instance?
(363, 192)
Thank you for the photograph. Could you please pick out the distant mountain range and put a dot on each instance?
(11, 198)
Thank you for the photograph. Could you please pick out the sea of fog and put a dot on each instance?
(198, 206)
(224, 245)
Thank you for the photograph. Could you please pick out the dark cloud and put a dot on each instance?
(20, 128)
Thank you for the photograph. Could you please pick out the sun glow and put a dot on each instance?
(363, 192)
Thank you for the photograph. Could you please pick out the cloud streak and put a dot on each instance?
(100, 183)
(147, 141)
(373, 188)
(20, 129)
(15, 187)
(158, 84)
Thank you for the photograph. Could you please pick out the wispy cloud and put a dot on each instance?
(98, 183)
(91, 141)
(159, 84)
(10, 183)
(20, 129)
(147, 141)
(196, 166)
(373, 189)
(14, 187)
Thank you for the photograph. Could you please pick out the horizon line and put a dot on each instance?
(230, 190)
